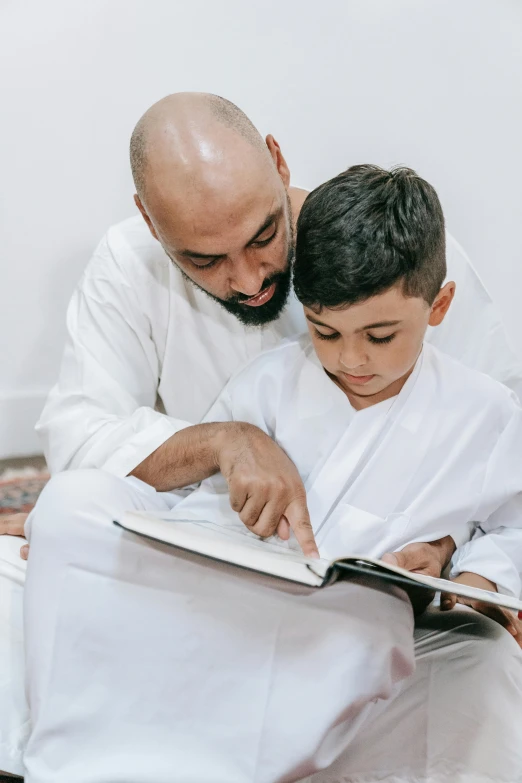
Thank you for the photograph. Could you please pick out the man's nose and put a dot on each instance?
(247, 276)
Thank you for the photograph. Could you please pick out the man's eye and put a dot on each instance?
(381, 340)
(322, 336)
(206, 266)
(263, 242)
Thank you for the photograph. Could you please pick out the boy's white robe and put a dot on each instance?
(444, 457)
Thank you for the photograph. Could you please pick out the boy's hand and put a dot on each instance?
(423, 558)
(502, 616)
(13, 525)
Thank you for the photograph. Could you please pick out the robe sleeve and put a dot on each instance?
(101, 413)
(472, 330)
(495, 550)
(222, 409)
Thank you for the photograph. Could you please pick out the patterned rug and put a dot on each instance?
(19, 489)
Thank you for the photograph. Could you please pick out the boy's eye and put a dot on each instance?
(322, 336)
(381, 340)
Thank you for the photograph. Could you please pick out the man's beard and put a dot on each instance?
(264, 314)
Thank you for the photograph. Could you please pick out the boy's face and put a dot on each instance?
(370, 348)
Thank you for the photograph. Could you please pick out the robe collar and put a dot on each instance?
(318, 395)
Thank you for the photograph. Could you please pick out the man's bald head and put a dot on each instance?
(183, 122)
(215, 195)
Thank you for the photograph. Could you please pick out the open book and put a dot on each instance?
(241, 548)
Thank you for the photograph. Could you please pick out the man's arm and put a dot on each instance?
(187, 457)
(101, 413)
(265, 487)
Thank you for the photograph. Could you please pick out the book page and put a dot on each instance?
(238, 546)
(231, 545)
(441, 585)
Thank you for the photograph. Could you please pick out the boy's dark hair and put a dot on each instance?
(365, 231)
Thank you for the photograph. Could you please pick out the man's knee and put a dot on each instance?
(473, 642)
(489, 653)
(495, 647)
(75, 496)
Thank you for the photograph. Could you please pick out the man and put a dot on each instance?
(369, 416)
(149, 349)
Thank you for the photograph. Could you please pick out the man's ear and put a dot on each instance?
(441, 304)
(146, 218)
(278, 158)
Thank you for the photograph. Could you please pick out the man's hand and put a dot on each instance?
(265, 487)
(502, 616)
(430, 559)
(13, 525)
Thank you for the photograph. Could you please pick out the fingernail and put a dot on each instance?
(24, 552)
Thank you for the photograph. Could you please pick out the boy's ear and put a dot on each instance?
(441, 304)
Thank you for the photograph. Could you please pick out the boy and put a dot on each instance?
(395, 442)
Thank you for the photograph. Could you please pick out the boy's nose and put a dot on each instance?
(351, 360)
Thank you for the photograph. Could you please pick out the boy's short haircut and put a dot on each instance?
(363, 232)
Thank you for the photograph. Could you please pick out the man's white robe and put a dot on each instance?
(146, 355)
(177, 669)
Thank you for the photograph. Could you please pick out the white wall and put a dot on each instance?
(435, 84)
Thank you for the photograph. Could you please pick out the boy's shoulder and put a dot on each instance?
(472, 389)
(280, 363)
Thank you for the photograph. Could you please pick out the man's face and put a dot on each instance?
(370, 348)
(237, 248)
